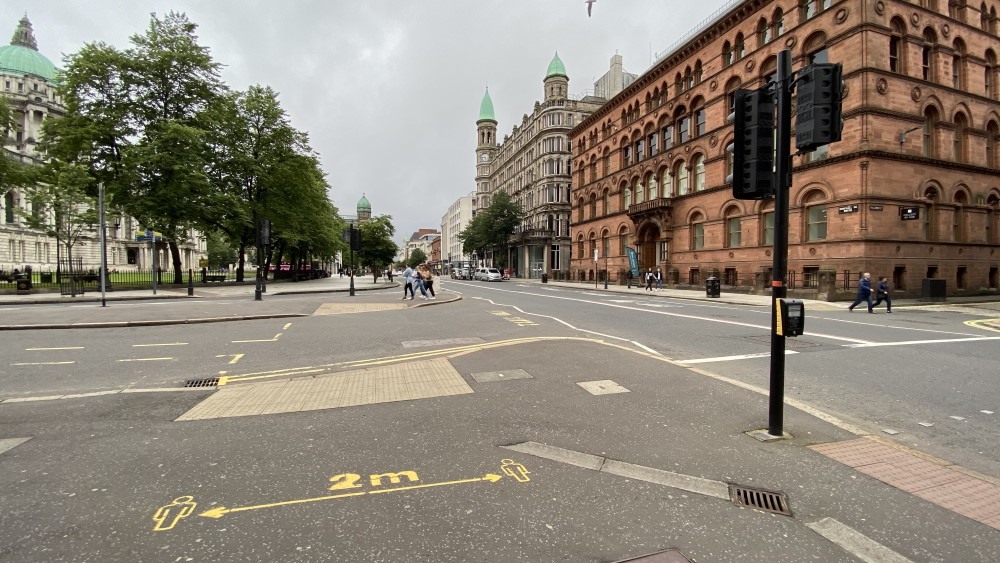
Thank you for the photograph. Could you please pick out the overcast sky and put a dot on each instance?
(389, 90)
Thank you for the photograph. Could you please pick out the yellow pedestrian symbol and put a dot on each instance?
(168, 516)
(515, 470)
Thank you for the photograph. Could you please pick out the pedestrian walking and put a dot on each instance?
(408, 286)
(659, 280)
(864, 292)
(418, 282)
(882, 294)
(429, 281)
(628, 278)
(649, 279)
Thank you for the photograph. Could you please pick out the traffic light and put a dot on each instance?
(753, 144)
(818, 119)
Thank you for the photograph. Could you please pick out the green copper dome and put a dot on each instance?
(486, 108)
(556, 67)
(363, 204)
(22, 56)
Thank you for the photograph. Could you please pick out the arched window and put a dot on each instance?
(639, 195)
(988, 74)
(984, 17)
(653, 186)
(605, 244)
(700, 125)
(929, 227)
(681, 174)
(927, 55)
(778, 22)
(897, 47)
(622, 240)
(697, 72)
(958, 218)
(727, 54)
(763, 33)
(668, 183)
(930, 131)
(993, 20)
(961, 124)
(593, 245)
(767, 224)
(958, 65)
(697, 228)
(581, 253)
(606, 201)
(738, 48)
(682, 121)
(734, 228)
(993, 201)
(8, 206)
(626, 197)
(992, 132)
(593, 206)
(579, 207)
(815, 216)
(699, 173)
(807, 9)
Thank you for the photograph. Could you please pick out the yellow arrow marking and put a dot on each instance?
(286, 326)
(221, 511)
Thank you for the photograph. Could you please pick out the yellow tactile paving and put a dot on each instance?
(399, 382)
(930, 479)
(344, 308)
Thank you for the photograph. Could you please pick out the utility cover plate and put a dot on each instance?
(503, 375)
(668, 556)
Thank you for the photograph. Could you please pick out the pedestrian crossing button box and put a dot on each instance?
(792, 317)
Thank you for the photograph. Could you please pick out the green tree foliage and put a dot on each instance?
(416, 258)
(137, 117)
(220, 252)
(265, 169)
(61, 204)
(377, 248)
(491, 228)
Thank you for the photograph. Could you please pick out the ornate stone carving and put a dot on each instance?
(841, 15)
(713, 84)
(790, 42)
(915, 93)
(767, 253)
(915, 18)
(812, 251)
(945, 30)
(713, 140)
(882, 86)
(749, 66)
(879, 7)
(732, 254)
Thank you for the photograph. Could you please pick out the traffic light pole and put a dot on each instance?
(779, 268)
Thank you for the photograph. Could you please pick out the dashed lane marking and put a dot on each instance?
(41, 363)
(54, 348)
(146, 360)
(163, 344)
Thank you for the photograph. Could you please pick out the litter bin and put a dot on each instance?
(933, 289)
(45, 277)
(23, 285)
(712, 287)
(545, 278)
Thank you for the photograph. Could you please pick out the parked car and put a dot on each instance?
(488, 274)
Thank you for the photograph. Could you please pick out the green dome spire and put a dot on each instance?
(363, 204)
(22, 56)
(486, 108)
(556, 67)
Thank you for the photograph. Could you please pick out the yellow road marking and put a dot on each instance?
(163, 344)
(978, 323)
(286, 326)
(42, 363)
(62, 348)
(236, 357)
(221, 511)
(145, 359)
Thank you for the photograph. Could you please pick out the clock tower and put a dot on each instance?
(486, 128)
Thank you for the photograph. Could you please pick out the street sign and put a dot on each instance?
(909, 213)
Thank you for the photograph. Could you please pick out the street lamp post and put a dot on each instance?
(605, 270)
(104, 244)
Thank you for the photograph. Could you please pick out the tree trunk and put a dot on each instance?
(242, 262)
(175, 256)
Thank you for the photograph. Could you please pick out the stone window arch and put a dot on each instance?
(698, 168)
(929, 226)
(958, 65)
(992, 134)
(763, 32)
(622, 240)
(681, 178)
(927, 68)
(727, 54)
(815, 214)
(959, 144)
(696, 226)
(734, 226)
(961, 201)
(897, 46)
(931, 118)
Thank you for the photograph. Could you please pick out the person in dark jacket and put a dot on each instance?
(882, 294)
(864, 292)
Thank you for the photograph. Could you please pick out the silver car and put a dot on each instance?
(488, 274)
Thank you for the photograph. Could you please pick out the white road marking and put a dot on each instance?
(646, 348)
(42, 363)
(731, 358)
(913, 342)
(146, 360)
(856, 543)
(164, 344)
(59, 348)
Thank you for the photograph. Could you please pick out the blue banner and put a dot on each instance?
(633, 261)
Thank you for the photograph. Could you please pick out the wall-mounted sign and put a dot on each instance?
(909, 213)
(847, 209)
(874, 207)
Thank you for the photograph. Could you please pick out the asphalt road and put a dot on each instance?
(115, 478)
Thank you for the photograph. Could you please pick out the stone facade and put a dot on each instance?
(910, 192)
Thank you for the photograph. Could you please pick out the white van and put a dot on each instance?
(488, 274)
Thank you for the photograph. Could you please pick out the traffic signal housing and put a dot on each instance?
(818, 120)
(753, 144)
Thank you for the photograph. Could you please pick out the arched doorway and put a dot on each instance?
(646, 241)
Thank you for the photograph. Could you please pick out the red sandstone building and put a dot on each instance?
(910, 192)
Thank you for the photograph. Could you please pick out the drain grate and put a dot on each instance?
(206, 382)
(758, 498)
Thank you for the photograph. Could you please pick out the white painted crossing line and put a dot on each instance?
(10, 443)
(41, 363)
(731, 358)
(856, 543)
(913, 342)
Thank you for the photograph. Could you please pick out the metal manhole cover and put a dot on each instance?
(206, 382)
(768, 501)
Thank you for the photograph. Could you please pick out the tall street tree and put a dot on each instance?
(377, 248)
(62, 205)
(137, 118)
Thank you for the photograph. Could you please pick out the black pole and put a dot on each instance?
(779, 268)
(190, 282)
(605, 270)
(352, 272)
